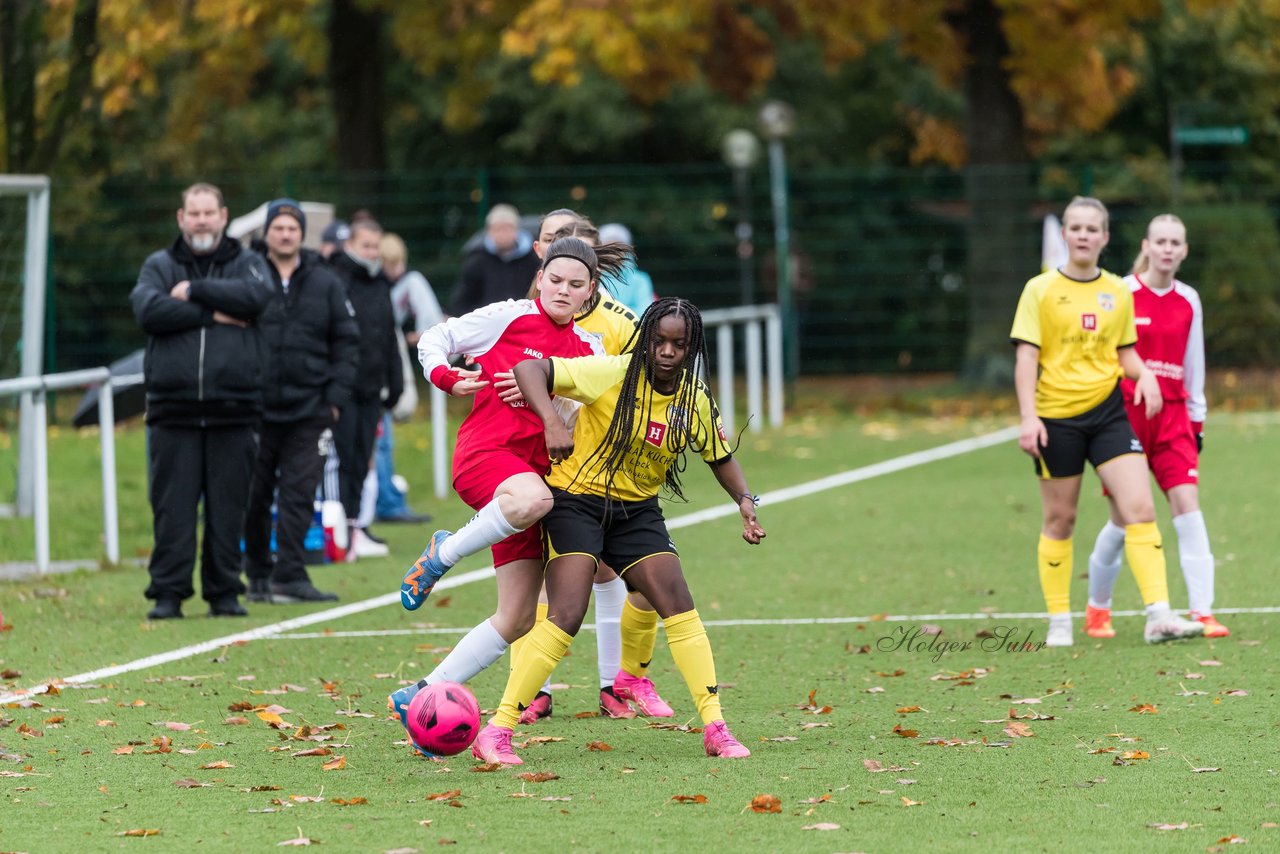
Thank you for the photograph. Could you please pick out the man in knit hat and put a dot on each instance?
(311, 340)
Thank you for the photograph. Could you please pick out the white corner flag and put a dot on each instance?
(1053, 249)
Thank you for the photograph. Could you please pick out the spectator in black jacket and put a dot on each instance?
(198, 302)
(379, 376)
(501, 268)
(311, 341)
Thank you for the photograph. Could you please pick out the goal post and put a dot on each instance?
(34, 273)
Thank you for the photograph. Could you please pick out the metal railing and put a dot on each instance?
(763, 329)
(33, 391)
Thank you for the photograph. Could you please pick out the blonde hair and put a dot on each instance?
(392, 249)
(1141, 263)
(1089, 202)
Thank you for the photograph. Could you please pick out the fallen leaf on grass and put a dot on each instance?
(905, 733)
(825, 825)
(813, 725)
(315, 751)
(587, 715)
(1209, 663)
(765, 803)
(57, 719)
(812, 707)
(486, 768)
(1014, 729)
(1182, 825)
(875, 689)
(599, 746)
(1234, 693)
(1204, 770)
(221, 763)
(337, 763)
(162, 743)
(891, 675)
(822, 799)
(557, 798)
(1145, 709)
(907, 802)
(348, 802)
(123, 751)
(1233, 839)
(875, 766)
(689, 799)
(299, 841)
(188, 783)
(1026, 701)
(444, 796)
(106, 723)
(1135, 755)
(139, 832)
(907, 710)
(543, 739)
(175, 726)
(782, 738)
(538, 776)
(1103, 750)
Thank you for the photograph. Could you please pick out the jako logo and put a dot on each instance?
(532, 353)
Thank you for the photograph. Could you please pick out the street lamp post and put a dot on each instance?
(741, 150)
(777, 122)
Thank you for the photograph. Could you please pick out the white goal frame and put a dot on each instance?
(34, 272)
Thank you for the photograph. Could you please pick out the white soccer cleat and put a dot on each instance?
(1059, 634)
(1169, 626)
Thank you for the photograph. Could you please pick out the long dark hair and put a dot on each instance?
(608, 259)
(635, 400)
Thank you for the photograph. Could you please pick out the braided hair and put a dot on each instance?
(636, 398)
(608, 259)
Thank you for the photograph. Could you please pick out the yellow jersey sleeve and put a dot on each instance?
(710, 440)
(612, 324)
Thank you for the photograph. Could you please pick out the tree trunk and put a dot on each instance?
(357, 86)
(70, 101)
(20, 36)
(998, 187)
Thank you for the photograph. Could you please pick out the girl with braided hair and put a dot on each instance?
(641, 414)
(500, 457)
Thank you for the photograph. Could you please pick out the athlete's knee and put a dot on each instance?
(525, 506)
(513, 623)
(1059, 522)
(568, 620)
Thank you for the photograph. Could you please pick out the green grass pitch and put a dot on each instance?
(871, 733)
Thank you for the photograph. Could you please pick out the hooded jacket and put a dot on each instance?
(378, 365)
(201, 373)
(311, 342)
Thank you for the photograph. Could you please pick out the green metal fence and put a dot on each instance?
(881, 260)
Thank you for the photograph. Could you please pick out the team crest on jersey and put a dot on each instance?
(720, 433)
(1089, 321)
(656, 433)
(678, 418)
(1107, 302)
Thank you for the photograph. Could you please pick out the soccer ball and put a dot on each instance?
(444, 718)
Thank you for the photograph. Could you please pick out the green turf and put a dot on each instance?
(952, 537)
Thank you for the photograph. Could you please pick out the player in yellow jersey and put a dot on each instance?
(1074, 333)
(641, 414)
(626, 624)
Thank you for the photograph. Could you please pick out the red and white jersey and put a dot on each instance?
(1170, 327)
(496, 337)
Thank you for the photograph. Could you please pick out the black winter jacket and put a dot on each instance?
(379, 363)
(311, 340)
(486, 278)
(199, 372)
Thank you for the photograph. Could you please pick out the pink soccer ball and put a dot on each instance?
(444, 718)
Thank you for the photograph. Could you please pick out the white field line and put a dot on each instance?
(896, 464)
(780, 621)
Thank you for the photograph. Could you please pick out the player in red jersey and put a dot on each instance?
(500, 456)
(1170, 326)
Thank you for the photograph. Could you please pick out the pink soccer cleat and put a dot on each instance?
(641, 693)
(493, 744)
(613, 706)
(718, 741)
(538, 709)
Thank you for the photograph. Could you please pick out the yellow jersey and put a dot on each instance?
(1078, 327)
(612, 323)
(596, 382)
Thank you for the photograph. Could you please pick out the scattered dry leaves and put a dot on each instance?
(765, 803)
(689, 799)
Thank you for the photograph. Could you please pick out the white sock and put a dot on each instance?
(487, 527)
(1156, 610)
(610, 597)
(480, 647)
(1196, 559)
(368, 500)
(1104, 564)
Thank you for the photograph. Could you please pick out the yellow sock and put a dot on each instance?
(519, 643)
(639, 633)
(544, 646)
(691, 649)
(1145, 554)
(1054, 560)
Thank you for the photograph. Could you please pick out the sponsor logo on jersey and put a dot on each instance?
(1063, 299)
(1107, 302)
(1089, 321)
(1135, 446)
(678, 418)
(1142, 321)
(532, 353)
(656, 433)
(721, 434)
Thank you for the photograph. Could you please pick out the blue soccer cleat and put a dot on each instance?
(398, 702)
(424, 574)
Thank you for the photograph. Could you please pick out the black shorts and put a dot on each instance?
(621, 533)
(1099, 435)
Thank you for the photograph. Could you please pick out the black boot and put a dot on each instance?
(229, 607)
(300, 591)
(259, 590)
(166, 609)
